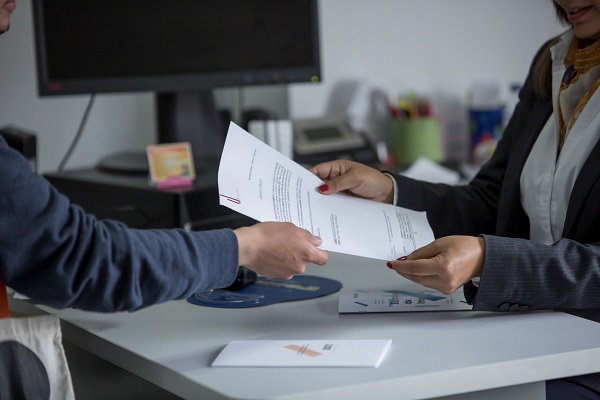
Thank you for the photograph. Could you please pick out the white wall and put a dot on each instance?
(56, 120)
(435, 47)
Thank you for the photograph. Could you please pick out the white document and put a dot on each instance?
(303, 353)
(412, 300)
(257, 181)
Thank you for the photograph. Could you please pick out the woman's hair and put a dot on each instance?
(542, 69)
(561, 13)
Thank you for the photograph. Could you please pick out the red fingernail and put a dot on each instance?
(401, 259)
(389, 265)
(323, 188)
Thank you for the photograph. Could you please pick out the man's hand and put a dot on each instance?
(278, 249)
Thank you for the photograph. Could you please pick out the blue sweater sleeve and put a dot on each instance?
(55, 253)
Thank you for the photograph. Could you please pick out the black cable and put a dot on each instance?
(86, 113)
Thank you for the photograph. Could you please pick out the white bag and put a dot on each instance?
(32, 360)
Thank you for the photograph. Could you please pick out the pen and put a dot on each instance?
(408, 108)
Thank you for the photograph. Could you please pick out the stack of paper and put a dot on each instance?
(258, 181)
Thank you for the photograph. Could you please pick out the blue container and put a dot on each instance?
(486, 128)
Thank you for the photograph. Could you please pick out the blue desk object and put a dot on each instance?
(265, 291)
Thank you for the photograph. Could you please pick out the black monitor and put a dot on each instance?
(179, 49)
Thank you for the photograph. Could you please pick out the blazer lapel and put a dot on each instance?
(589, 174)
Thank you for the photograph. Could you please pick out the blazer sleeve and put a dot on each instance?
(55, 253)
(473, 209)
(517, 273)
(462, 209)
(563, 276)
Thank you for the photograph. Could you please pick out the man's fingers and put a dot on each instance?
(321, 257)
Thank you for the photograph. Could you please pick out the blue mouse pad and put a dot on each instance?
(265, 291)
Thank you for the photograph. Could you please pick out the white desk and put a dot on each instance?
(434, 354)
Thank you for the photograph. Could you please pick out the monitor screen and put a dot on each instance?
(180, 49)
(90, 46)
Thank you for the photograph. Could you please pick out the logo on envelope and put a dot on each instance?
(303, 350)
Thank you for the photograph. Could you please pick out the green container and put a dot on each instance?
(413, 138)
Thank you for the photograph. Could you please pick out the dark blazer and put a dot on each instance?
(520, 275)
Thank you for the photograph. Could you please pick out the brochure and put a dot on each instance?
(374, 301)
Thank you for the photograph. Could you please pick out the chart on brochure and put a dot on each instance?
(257, 181)
(399, 300)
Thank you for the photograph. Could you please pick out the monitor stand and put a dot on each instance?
(125, 163)
(181, 117)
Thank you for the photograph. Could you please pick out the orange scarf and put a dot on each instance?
(581, 57)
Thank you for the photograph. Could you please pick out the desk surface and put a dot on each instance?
(433, 353)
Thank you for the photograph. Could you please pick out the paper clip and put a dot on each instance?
(231, 199)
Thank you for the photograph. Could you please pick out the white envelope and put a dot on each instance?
(303, 353)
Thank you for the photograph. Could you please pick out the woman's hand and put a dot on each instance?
(355, 179)
(278, 249)
(445, 264)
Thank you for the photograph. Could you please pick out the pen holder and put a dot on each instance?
(413, 138)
